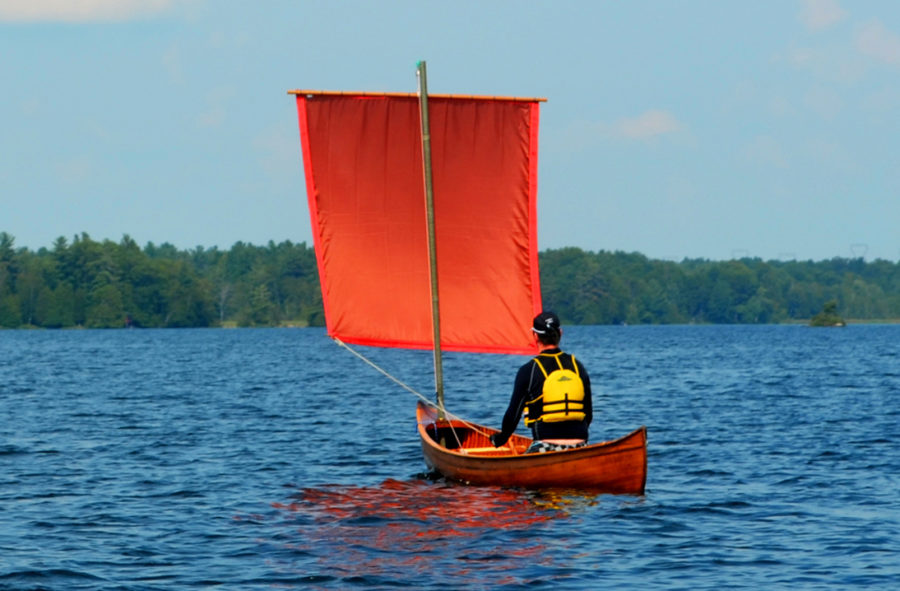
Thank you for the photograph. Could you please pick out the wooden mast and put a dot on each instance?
(432, 249)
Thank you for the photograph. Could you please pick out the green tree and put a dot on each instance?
(56, 307)
(105, 309)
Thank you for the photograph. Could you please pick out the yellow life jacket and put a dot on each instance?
(562, 398)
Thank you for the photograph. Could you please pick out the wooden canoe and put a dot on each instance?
(463, 452)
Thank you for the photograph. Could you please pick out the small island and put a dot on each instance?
(828, 316)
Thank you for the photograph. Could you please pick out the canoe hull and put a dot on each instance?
(463, 452)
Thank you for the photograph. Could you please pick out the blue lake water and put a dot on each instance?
(261, 459)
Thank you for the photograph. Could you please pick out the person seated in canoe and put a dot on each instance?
(553, 390)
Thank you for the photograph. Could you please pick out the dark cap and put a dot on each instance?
(546, 322)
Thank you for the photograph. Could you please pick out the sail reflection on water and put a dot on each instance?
(402, 529)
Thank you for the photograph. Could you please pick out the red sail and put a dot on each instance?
(365, 184)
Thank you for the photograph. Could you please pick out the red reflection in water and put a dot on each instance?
(401, 529)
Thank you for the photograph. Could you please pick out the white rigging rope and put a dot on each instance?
(411, 390)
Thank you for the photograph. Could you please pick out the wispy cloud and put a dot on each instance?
(765, 150)
(277, 152)
(213, 117)
(821, 14)
(824, 101)
(215, 114)
(581, 135)
(172, 63)
(649, 124)
(829, 63)
(80, 11)
(75, 170)
(874, 40)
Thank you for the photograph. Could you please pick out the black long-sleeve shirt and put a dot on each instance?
(528, 385)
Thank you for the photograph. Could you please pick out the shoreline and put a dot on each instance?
(301, 324)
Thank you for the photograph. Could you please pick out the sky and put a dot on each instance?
(712, 129)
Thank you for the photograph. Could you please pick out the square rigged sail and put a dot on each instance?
(362, 156)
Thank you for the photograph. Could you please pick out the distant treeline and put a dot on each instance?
(107, 284)
(85, 283)
(615, 288)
